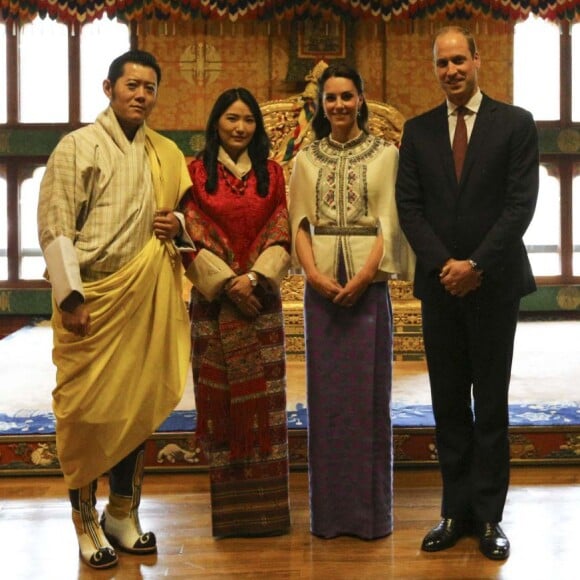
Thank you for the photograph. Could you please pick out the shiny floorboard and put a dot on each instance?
(542, 519)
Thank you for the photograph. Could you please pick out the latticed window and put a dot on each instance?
(52, 86)
(547, 82)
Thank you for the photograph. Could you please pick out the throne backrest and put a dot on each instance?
(288, 121)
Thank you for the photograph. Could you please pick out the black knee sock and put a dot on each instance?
(121, 477)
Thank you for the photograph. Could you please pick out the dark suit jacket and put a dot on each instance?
(484, 217)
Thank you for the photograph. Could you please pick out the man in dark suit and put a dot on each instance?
(465, 222)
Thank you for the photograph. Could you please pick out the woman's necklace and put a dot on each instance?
(237, 186)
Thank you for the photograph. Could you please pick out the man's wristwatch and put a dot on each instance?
(474, 265)
(253, 279)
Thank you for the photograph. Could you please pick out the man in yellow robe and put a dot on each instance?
(121, 332)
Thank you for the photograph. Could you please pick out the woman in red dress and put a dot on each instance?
(237, 218)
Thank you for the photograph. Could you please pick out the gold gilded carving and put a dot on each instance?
(408, 347)
(292, 288)
(401, 290)
(405, 318)
(295, 347)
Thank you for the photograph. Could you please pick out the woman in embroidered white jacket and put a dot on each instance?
(346, 237)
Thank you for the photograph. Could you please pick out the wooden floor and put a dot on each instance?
(542, 519)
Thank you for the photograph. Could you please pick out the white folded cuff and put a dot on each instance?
(209, 274)
(63, 268)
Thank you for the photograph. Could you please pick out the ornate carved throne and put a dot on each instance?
(288, 124)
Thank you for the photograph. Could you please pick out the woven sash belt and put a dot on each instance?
(345, 230)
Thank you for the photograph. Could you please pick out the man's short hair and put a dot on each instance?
(141, 57)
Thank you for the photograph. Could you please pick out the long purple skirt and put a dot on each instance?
(349, 373)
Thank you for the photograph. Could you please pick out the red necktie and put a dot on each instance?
(460, 142)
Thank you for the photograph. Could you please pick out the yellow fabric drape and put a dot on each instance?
(117, 385)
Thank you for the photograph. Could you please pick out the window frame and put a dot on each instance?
(565, 162)
(14, 162)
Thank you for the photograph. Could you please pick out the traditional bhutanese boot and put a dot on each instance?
(120, 520)
(94, 548)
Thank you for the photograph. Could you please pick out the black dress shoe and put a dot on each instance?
(493, 543)
(444, 535)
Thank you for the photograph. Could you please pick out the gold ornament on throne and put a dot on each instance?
(288, 123)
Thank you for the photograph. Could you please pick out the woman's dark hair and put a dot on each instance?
(320, 124)
(141, 57)
(258, 148)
